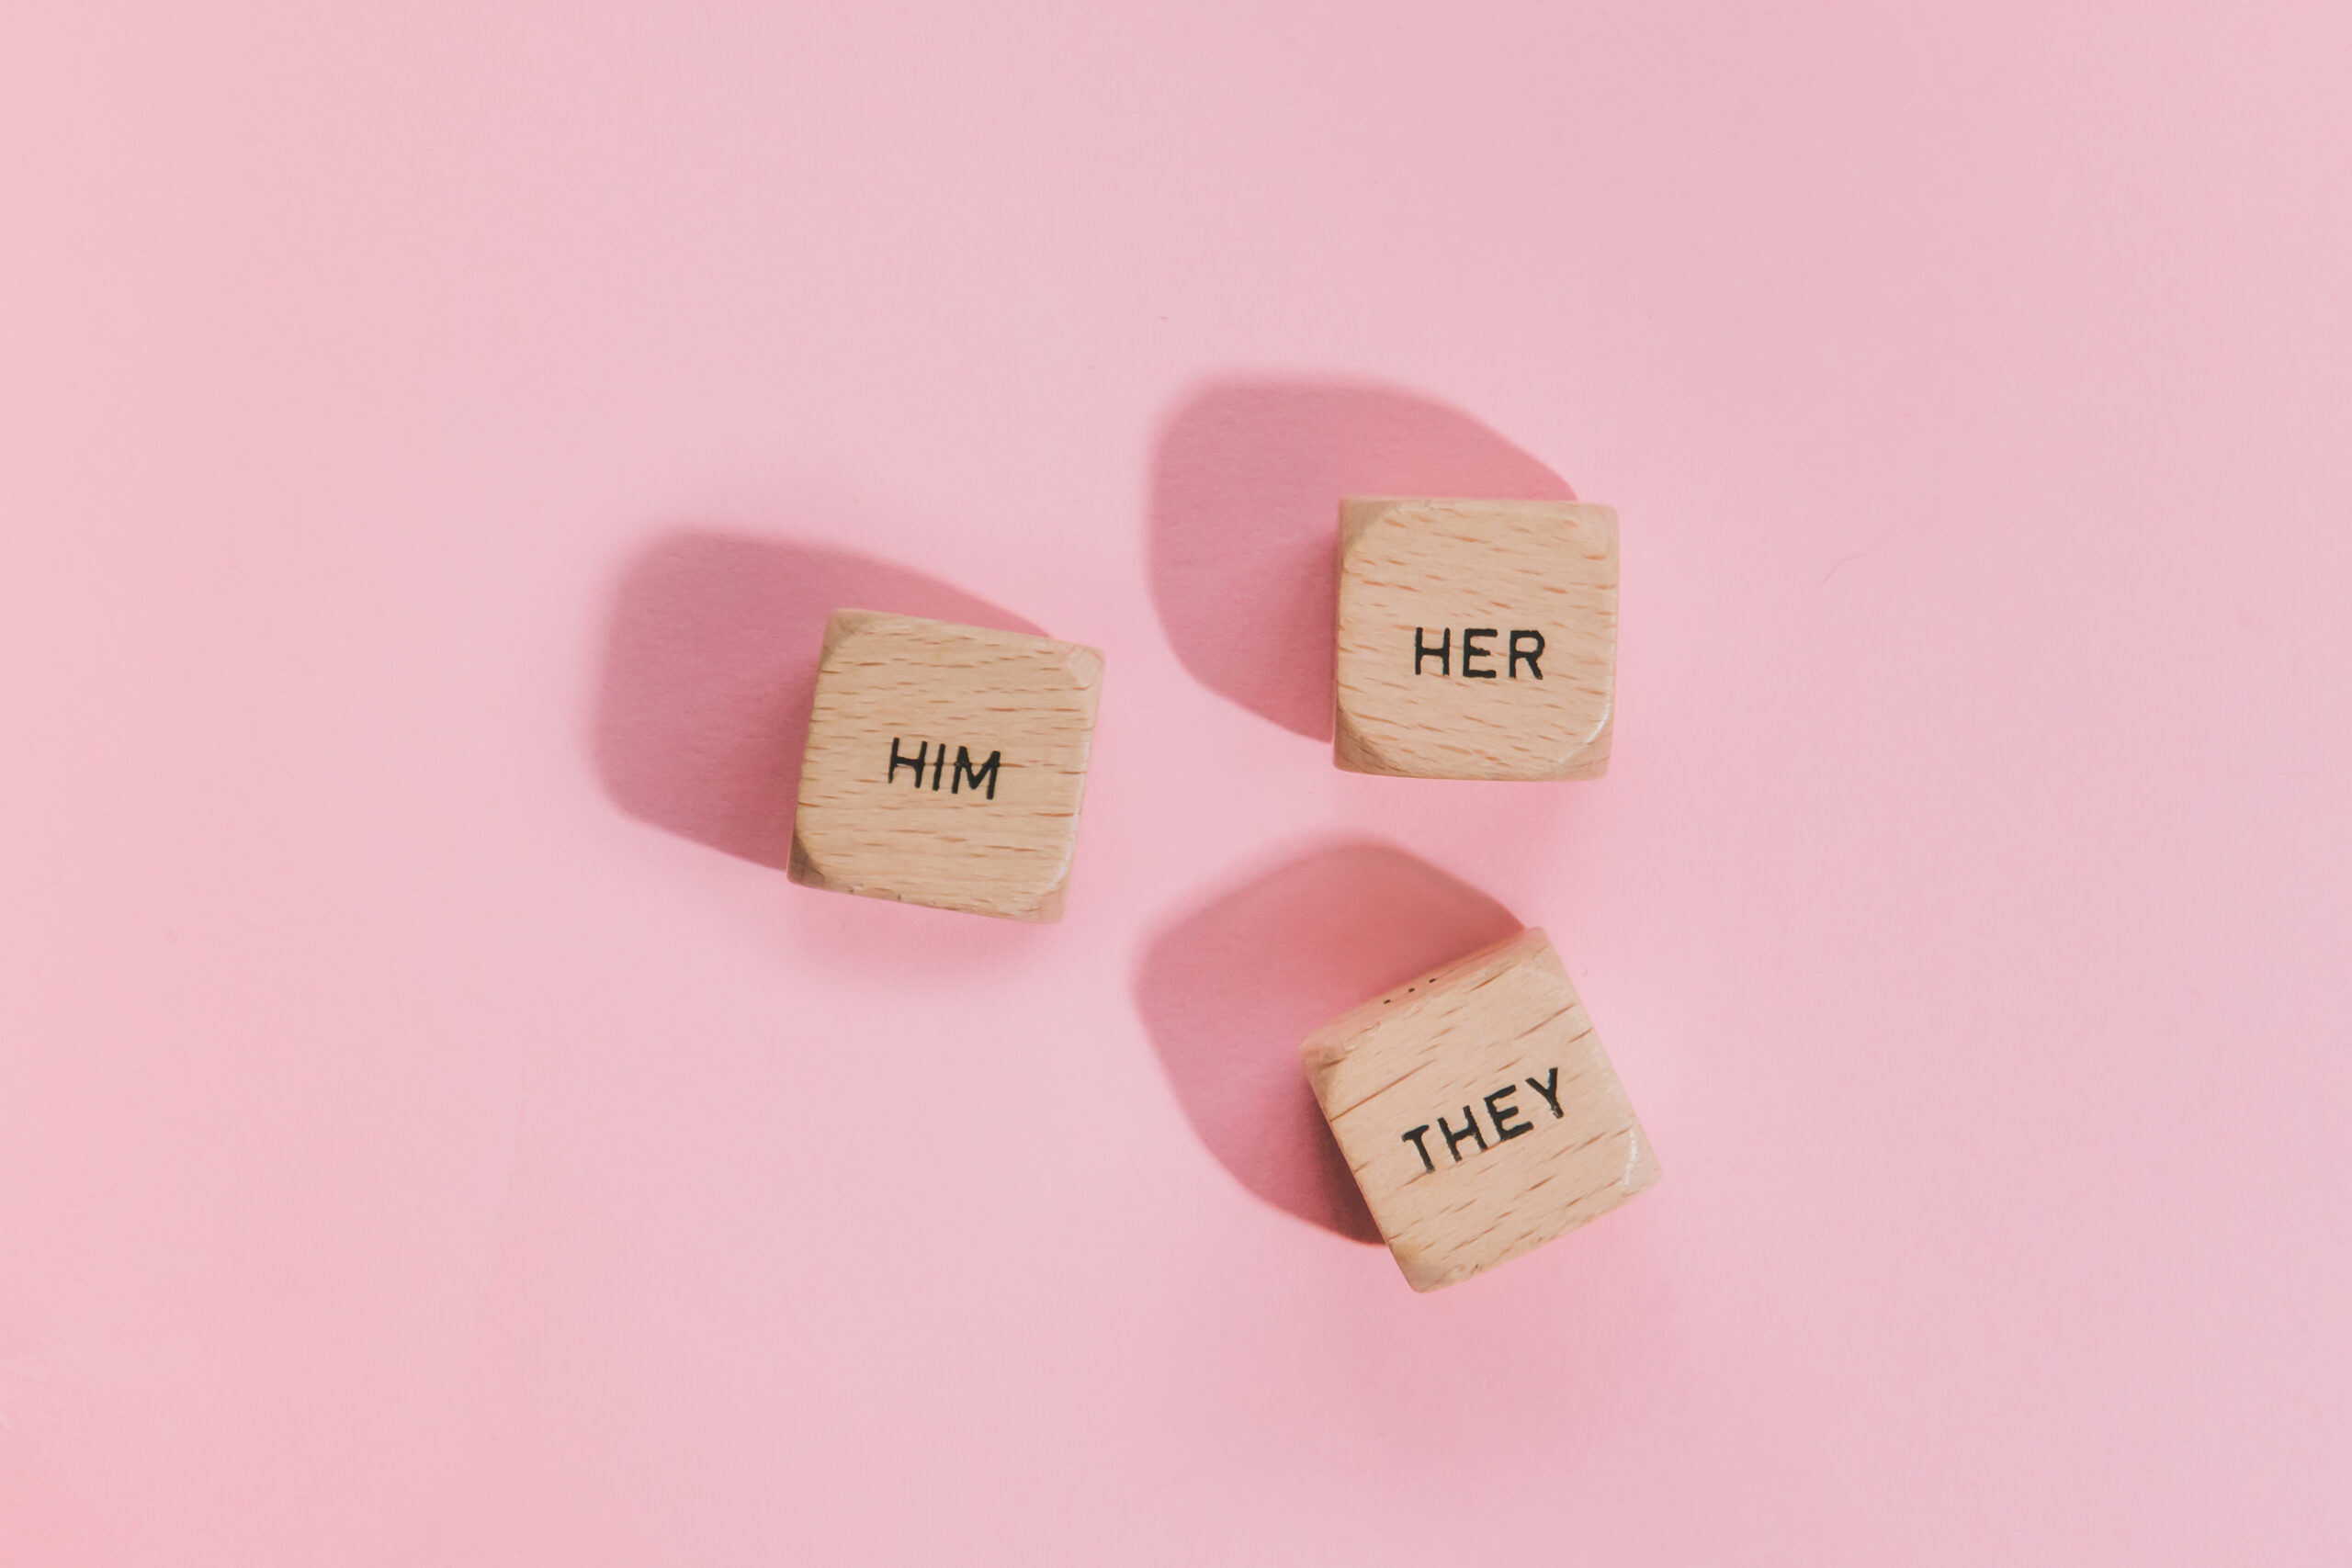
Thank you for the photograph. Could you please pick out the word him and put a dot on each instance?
(1501, 1114)
(1525, 646)
(964, 773)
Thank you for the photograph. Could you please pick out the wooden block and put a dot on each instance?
(1479, 1112)
(1477, 638)
(944, 765)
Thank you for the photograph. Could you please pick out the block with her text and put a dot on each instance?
(1477, 639)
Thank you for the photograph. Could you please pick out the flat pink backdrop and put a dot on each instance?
(433, 1130)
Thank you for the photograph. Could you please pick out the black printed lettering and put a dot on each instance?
(1442, 652)
(1532, 655)
(1470, 650)
(1453, 1140)
(1509, 1120)
(967, 774)
(932, 759)
(1505, 1128)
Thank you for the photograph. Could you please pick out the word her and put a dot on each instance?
(964, 772)
(1472, 651)
(1501, 1115)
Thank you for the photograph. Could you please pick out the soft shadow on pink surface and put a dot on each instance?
(710, 669)
(1245, 517)
(1231, 989)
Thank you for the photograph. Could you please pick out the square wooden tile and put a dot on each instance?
(945, 765)
(1477, 639)
(1479, 1112)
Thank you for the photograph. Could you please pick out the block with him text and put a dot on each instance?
(945, 765)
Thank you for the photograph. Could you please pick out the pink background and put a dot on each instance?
(432, 1130)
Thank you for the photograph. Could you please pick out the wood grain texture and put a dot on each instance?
(948, 830)
(1479, 1112)
(1545, 567)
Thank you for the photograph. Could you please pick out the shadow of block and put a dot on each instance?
(1245, 506)
(1230, 990)
(710, 669)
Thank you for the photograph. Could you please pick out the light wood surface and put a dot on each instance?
(1479, 1112)
(898, 798)
(1539, 576)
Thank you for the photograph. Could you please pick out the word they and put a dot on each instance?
(964, 773)
(1525, 646)
(1500, 1113)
